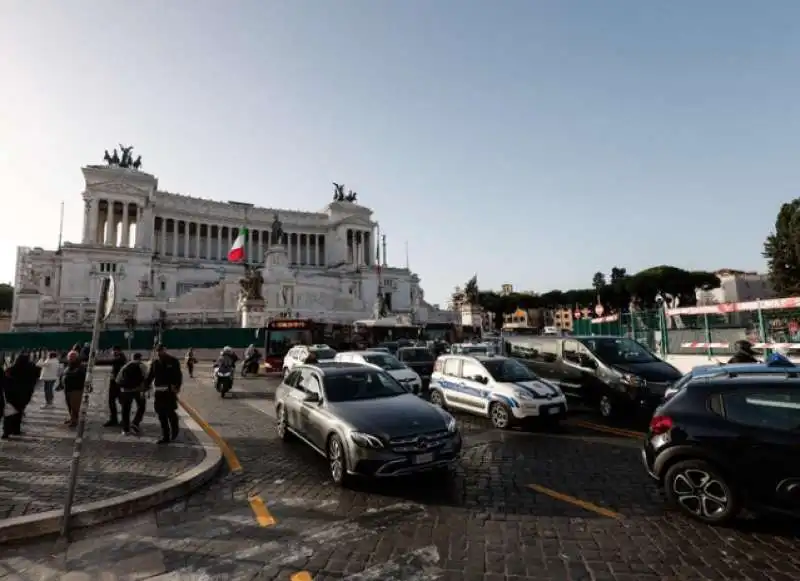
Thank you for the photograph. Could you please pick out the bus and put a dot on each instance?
(372, 332)
(282, 334)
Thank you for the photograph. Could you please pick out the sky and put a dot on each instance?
(531, 142)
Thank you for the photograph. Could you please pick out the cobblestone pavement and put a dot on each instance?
(34, 468)
(488, 524)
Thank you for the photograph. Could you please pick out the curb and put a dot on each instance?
(94, 513)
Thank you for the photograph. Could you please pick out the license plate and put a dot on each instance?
(423, 458)
(554, 411)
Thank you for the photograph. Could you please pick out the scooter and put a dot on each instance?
(250, 365)
(223, 380)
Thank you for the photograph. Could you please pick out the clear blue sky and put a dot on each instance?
(532, 142)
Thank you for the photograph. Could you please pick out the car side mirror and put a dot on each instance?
(312, 397)
(482, 379)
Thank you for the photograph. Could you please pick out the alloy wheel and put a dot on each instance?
(499, 416)
(281, 425)
(701, 493)
(336, 459)
(436, 399)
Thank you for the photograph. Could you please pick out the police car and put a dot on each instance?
(499, 388)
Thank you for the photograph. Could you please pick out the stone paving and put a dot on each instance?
(34, 468)
(485, 525)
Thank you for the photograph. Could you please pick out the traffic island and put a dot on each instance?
(120, 474)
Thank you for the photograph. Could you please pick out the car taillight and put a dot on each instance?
(660, 425)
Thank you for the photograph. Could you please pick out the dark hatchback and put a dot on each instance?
(726, 441)
(618, 376)
(420, 359)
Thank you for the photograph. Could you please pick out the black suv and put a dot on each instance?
(726, 441)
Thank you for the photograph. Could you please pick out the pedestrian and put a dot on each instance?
(51, 369)
(166, 377)
(21, 380)
(131, 381)
(190, 361)
(73, 380)
(3, 382)
(85, 351)
(744, 353)
(118, 361)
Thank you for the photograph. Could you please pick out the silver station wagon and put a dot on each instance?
(364, 422)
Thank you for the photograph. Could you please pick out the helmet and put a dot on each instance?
(226, 350)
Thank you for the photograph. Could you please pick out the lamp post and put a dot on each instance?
(130, 325)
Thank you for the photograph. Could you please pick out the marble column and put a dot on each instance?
(320, 250)
(163, 235)
(126, 226)
(86, 218)
(186, 238)
(208, 241)
(219, 242)
(94, 220)
(175, 228)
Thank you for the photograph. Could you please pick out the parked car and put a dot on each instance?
(724, 369)
(364, 422)
(407, 377)
(616, 375)
(727, 440)
(300, 353)
(420, 359)
(495, 387)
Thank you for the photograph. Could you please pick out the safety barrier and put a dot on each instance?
(698, 345)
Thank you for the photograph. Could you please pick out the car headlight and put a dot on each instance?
(451, 424)
(522, 394)
(366, 440)
(631, 380)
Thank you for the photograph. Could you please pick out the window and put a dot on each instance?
(361, 384)
(438, 367)
(312, 384)
(509, 371)
(547, 351)
(292, 379)
(778, 409)
(47, 281)
(472, 370)
(570, 351)
(452, 367)
(619, 350)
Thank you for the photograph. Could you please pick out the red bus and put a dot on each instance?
(283, 334)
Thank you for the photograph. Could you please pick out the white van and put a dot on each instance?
(499, 388)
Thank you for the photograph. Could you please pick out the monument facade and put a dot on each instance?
(168, 254)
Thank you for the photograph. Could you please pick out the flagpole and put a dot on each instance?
(61, 226)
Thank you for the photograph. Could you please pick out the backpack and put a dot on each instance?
(130, 376)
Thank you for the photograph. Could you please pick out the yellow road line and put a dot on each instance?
(576, 502)
(608, 429)
(230, 457)
(301, 576)
(263, 516)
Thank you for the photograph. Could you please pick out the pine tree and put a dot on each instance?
(782, 250)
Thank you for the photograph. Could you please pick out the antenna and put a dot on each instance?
(61, 226)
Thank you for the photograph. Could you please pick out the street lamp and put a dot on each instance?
(130, 325)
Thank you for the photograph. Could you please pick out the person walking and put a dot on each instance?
(190, 361)
(73, 380)
(21, 380)
(118, 361)
(744, 353)
(131, 381)
(51, 369)
(166, 377)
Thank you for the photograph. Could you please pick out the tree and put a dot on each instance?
(471, 291)
(6, 297)
(782, 250)
(645, 285)
(598, 281)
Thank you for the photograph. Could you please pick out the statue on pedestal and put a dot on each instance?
(251, 285)
(379, 310)
(276, 235)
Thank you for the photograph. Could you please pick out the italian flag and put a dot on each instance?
(236, 253)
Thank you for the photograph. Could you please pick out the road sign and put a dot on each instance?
(109, 299)
(599, 310)
(577, 314)
(129, 334)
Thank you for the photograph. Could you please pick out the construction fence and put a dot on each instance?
(711, 329)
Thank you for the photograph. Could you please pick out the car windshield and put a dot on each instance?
(613, 350)
(508, 370)
(384, 361)
(416, 355)
(360, 385)
(474, 349)
(324, 353)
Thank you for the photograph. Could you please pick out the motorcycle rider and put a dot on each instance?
(744, 353)
(249, 352)
(226, 363)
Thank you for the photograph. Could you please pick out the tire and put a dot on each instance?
(337, 461)
(282, 425)
(437, 398)
(606, 407)
(500, 415)
(702, 491)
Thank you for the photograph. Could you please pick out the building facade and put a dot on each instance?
(737, 286)
(168, 256)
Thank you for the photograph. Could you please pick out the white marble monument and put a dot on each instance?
(169, 252)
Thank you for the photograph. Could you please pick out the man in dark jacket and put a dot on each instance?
(744, 353)
(131, 380)
(166, 377)
(118, 361)
(21, 380)
(73, 380)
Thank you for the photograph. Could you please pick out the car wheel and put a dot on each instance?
(282, 425)
(702, 491)
(606, 407)
(337, 461)
(500, 414)
(437, 399)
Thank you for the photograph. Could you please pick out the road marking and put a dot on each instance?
(230, 457)
(301, 576)
(263, 516)
(576, 502)
(607, 429)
